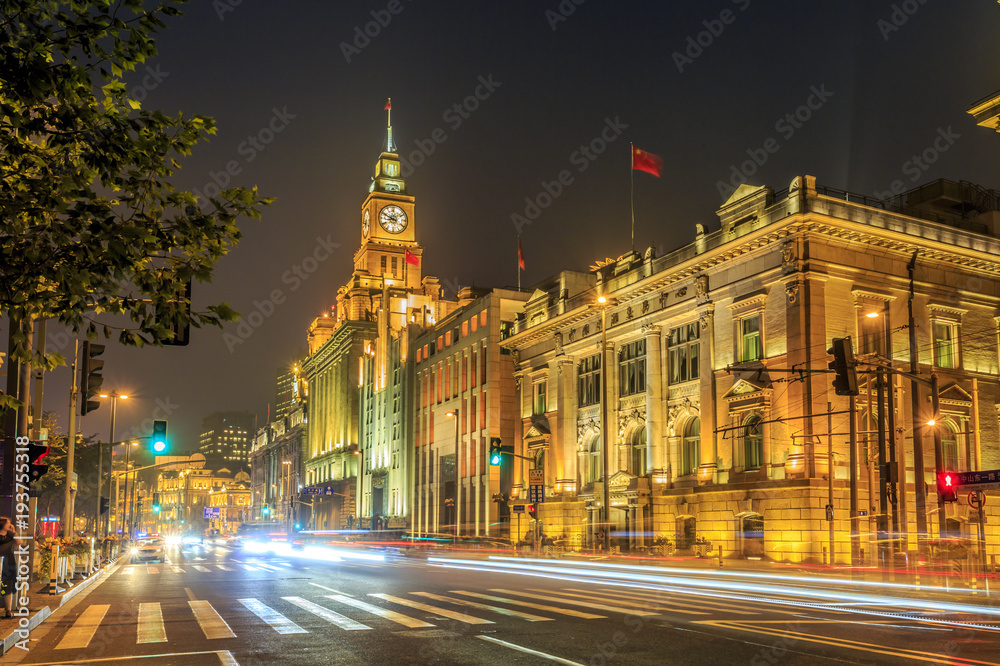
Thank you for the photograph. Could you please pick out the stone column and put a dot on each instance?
(708, 408)
(655, 404)
(563, 453)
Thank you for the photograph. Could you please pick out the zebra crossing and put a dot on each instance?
(230, 566)
(420, 609)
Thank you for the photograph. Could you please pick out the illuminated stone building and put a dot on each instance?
(720, 404)
(358, 366)
(463, 396)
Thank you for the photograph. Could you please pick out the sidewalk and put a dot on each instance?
(41, 605)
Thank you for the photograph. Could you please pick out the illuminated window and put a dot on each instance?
(750, 347)
(682, 353)
(639, 452)
(632, 368)
(589, 381)
(691, 447)
(945, 344)
(751, 448)
(540, 402)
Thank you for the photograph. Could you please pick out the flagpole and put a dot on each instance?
(631, 194)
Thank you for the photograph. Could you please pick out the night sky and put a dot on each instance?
(706, 85)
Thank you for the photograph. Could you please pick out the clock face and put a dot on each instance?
(392, 219)
(366, 223)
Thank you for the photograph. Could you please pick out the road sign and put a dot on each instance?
(974, 498)
(312, 491)
(517, 508)
(862, 513)
(829, 512)
(536, 477)
(213, 512)
(536, 493)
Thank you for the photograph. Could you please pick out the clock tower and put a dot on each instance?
(388, 246)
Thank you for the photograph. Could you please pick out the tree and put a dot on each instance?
(90, 223)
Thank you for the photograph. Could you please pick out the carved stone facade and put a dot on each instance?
(717, 421)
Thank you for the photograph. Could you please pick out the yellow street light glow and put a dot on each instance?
(932, 422)
(449, 414)
(602, 300)
(872, 315)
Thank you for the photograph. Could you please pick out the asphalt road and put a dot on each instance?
(214, 606)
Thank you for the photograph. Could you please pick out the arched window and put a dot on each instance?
(691, 447)
(950, 446)
(638, 466)
(592, 461)
(752, 448)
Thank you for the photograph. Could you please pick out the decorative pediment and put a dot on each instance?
(621, 479)
(954, 395)
(742, 389)
(539, 428)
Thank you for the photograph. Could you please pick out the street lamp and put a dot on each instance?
(606, 513)
(114, 395)
(119, 511)
(458, 488)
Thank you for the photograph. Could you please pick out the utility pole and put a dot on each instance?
(919, 487)
(883, 498)
(68, 506)
(938, 453)
(855, 544)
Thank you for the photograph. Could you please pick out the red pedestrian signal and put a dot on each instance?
(947, 486)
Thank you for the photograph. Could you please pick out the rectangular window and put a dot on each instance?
(482, 410)
(465, 328)
(750, 349)
(475, 323)
(464, 416)
(447, 339)
(475, 367)
(383, 263)
(482, 318)
(465, 373)
(589, 381)
(682, 353)
(456, 370)
(945, 344)
(482, 367)
(540, 401)
(632, 368)
(395, 264)
(872, 335)
(472, 413)
(447, 378)
(440, 383)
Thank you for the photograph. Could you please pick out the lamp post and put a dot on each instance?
(118, 516)
(286, 487)
(458, 488)
(361, 467)
(114, 395)
(606, 513)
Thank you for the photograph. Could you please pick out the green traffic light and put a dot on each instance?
(495, 459)
(159, 446)
(156, 509)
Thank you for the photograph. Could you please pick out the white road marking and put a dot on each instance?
(128, 571)
(225, 658)
(278, 622)
(496, 609)
(399, 618)
(210, 621)
(573, 602)
(82, 631)
(151, 629)
(443, 612)
(527, 604)
(605, 597)
(330, 616)
(330, 589)
(178, 569)
(223, 567)
(521, 648)
(152, 570)
(201, 568)
(249, 567)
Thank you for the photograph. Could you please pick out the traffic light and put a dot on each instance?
(846, 381)
(105, 505)
(36, 465)
(159, 440)
(495, 452)
(265, 511)
(90, 377)
(947, 486)
(156, 502)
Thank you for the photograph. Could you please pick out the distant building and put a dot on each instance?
(276, 470)
(289, 391)
(185, 491)
(463, 395)
(225, 436)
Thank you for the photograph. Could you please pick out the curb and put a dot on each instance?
(43, 613)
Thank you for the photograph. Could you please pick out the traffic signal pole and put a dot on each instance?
(938, 453)
(68, 506)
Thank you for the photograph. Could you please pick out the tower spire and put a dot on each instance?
(390, 146)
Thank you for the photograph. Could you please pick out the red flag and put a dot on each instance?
(388, 104)
(648, 162)
(412, 258)
(520, 254)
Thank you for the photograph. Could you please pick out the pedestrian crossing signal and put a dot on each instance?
(495, 451)
(947, 486)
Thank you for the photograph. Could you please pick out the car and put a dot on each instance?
(148, 549)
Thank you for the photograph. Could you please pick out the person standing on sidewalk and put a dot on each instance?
(8, 568)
